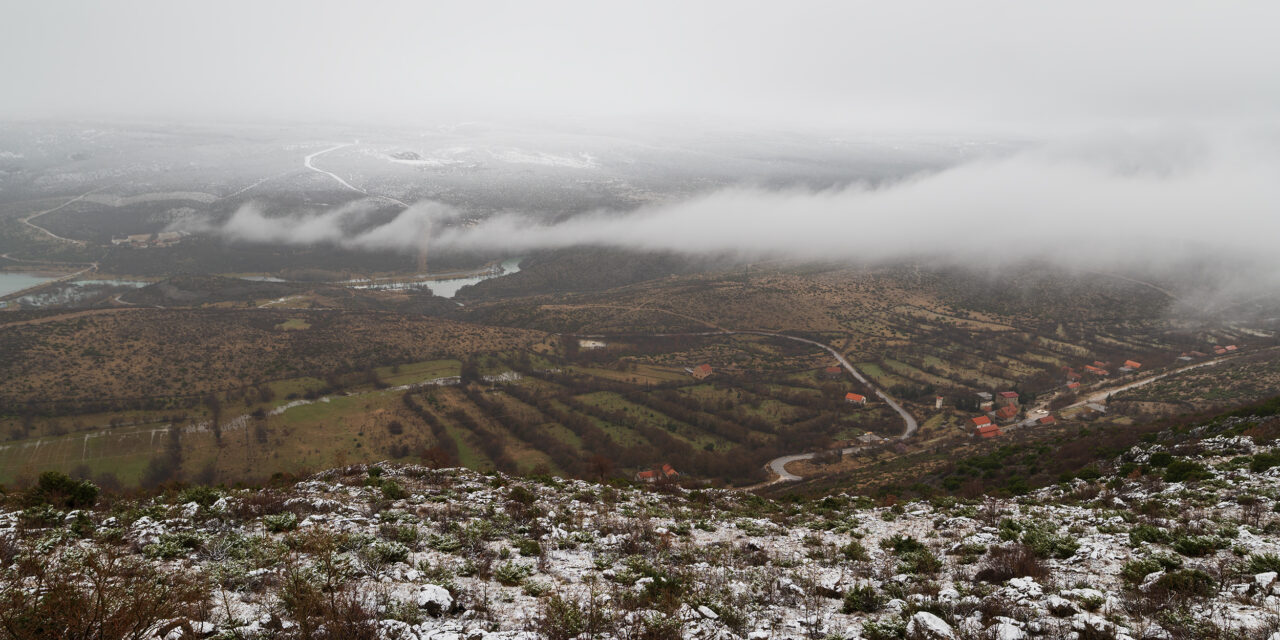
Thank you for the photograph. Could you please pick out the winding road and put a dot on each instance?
(309, 162)
(28, 220)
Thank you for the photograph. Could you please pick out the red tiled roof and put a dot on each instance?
(1073, 385)
(1132, 364)
(1047, 420)
(853, 397)
(832, 370)
(981, 421)
(989, 431)
(1007, 411)
(1008, 394)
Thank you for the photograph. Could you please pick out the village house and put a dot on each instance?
(1007, 413)
(1006, 398)
(1133, 364)
(980, 421)
(988, 431)
(1072, 386)
(1097, 371)
(855, 398)
(984, 401)
(701, 372)
(1047, 420)
(664, 473)
(832, 373)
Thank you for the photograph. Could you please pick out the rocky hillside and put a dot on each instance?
(1180, 538)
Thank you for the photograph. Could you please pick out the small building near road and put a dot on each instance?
(1007, 413)
(1047, 420)
(988, 431)
(1133, 364)
(854, 398)
(832, 372)
(980, 421)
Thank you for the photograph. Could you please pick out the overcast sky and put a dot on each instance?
(921, 65)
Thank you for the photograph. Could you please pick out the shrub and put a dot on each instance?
(392, 490)
(901, 544)
(528, 547)
(919, 562)
(114, 597)
(1262, 563)
(1186, 471)
(279, 522)
(862, 599)
(1160, 459)
(1186, 582)
(1134, 571)
(1196, 546)
(855, 551)
(60, 490)
(1263, 461)
(1148, 533)
(1012, 561)
(887, 630)
(202, 495)
(511, 574)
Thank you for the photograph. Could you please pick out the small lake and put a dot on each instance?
(11, 281)
(448, 287)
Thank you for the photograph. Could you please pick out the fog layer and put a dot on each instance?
(1114, 197)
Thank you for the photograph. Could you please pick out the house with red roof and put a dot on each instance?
(701, 372)
(1006, 398)
(1072, 386)
(980, 421)
(1047, 420)
(832, 372)
(1133, 364)
(855, 398)
(665, 472)
(1097, 371)
(988, 431)
(1007, 412)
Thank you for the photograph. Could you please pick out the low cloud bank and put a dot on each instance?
(1119, 197)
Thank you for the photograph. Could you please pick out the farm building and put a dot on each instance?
(701, 372)
(1006, 398)
(980, 421)
(832, 372)
(1047, 420)
(1133, 364)
(855, 398)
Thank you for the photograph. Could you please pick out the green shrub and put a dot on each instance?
(202, 495)
(1196, 546)
(862, 599)
(1149, 533)
(392, 490)
(511, 574)
(1263, 461)
(1186, 471)
(1160, 459)
(1187, 582)
(901, 544)
(855, 551)
(1262, 563)
(287, 521)
(60, 490)
(528, 547)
